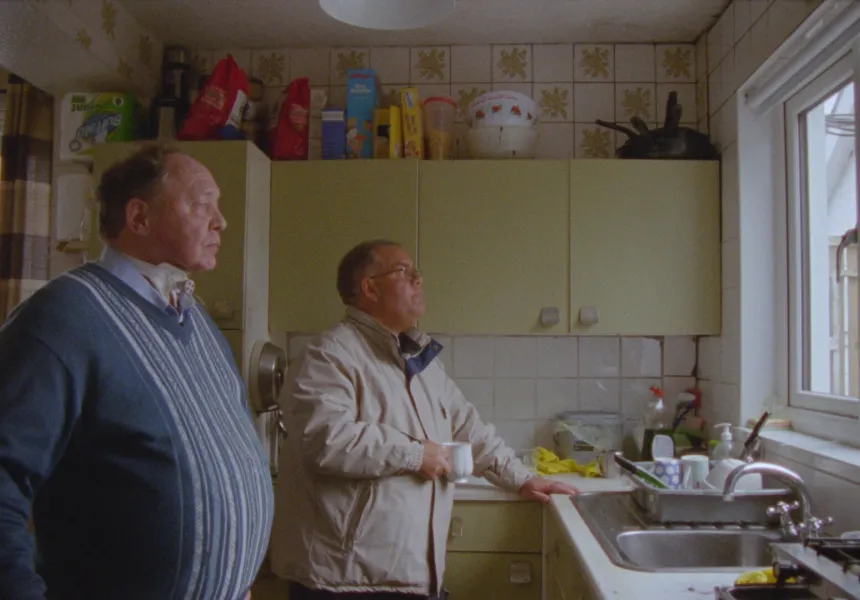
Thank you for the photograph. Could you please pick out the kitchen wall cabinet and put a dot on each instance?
(645, 246)
(564, 577)
(493, 245)
(494, 551)
(236, 292)
(319, 211)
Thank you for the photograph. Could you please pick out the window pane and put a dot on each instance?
(830, 210)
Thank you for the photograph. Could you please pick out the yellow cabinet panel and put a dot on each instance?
(495, 527)
(228, 162)
(645, 246)
(485, 576)
(321, 209)
(493, 245)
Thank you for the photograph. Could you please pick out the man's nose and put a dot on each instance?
(219, 222)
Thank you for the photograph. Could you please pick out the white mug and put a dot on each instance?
(695, 471)
(461, 461)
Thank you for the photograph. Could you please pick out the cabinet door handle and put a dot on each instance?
(520, 572)
(456, 527)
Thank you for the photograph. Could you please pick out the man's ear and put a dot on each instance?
(368, 289)
(137, 216)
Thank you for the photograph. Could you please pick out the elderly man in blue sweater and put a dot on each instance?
(124, 429)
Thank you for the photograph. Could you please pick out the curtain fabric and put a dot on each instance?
(25, 193)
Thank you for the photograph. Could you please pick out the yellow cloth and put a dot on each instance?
(762, 577)
(547, 463)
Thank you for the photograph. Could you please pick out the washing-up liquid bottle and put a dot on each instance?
(724, 448)
(656, 420)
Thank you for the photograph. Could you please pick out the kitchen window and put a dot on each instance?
(823, 265)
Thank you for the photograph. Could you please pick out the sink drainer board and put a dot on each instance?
(704, 506)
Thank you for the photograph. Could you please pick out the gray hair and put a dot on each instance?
(354, 265)
(141, 175)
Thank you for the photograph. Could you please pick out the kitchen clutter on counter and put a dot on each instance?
(304, 124)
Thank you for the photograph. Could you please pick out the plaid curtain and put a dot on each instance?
(25, 193)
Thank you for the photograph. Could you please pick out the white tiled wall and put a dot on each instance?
(519, 382)
(573, 84)
(745, 35)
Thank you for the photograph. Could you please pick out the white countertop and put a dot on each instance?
(607, 580)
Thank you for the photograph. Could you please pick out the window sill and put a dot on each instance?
(816, 453)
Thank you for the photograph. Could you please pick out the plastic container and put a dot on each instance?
(509, 141)
(582, 436)
(439, 114)
(723, 449)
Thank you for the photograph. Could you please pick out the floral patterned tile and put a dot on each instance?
(344, 59)
(464, 93)
(676, 62)
(512, 63)
(272, 67)
(391, 64)
(390, 96)
(430, 65)
(555, 140)
(202, 62)
(635, 99)
(593, 141)
(555, 102)
(242, 58)
(313, 63)
(593, 62)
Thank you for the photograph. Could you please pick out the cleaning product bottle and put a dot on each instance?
(724, 448)
(656, 420)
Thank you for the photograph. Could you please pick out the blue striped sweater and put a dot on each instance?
(129, 434)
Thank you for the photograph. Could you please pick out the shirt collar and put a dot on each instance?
(118, 264)
(408, 343)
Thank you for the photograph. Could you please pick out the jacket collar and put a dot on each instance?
(406, 344)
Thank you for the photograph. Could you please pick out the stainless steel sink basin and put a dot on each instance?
(633, 543)
(767, 592)
(663, 550)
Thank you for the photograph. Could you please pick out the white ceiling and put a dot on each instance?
(225, 24)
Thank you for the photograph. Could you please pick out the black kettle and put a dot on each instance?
(670, 141)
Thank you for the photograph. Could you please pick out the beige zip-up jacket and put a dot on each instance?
(352, 514)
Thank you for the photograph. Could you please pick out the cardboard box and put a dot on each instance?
(413, 124)
(362, 99)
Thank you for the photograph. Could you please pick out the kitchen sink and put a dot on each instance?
(767, 592)
(631, 542)
(662, 550)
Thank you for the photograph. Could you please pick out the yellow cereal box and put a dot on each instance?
(413, 127)
(387, 138)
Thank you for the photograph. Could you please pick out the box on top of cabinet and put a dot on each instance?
(362, 99)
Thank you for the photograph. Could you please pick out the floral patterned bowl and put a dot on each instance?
(502, 108)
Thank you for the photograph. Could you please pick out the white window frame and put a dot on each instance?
(845, 69)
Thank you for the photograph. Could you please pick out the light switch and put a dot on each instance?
(549, 316)
(588, 315)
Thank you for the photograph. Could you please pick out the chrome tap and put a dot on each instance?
(810, 527)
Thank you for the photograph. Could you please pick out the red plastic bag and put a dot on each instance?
(217, 112)
(288, 128)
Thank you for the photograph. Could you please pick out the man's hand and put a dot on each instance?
(436, 460)
(539, 489)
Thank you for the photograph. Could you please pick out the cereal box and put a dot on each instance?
(387, 141)
(413, 128)
(362, 98)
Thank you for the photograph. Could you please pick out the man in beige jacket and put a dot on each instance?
(362, 504)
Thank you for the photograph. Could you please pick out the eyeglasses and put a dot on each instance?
(410, 273)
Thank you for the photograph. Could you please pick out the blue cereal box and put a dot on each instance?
(362, 98)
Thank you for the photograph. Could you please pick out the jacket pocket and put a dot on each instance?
(358, 515)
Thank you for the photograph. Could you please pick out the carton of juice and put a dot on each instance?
(362, 98)
(413, 128)
(387, 141)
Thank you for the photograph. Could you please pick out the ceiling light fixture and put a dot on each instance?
(389, 14)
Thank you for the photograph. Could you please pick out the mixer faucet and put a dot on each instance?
(810, 527)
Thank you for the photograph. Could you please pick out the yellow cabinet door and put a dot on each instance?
(321, 209)
(645, 246)
(228, 162)
(493, 245)
(489, 576)
(495, 527)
